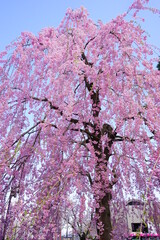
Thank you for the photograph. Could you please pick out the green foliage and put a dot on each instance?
(158, 66)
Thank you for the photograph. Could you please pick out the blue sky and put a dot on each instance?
(32, 15)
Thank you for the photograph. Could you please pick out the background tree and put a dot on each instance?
(79, 114)
(77, 218)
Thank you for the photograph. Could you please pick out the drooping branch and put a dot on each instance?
(46, 100)
(27, 132)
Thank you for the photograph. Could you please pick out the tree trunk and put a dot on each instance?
(105, 218)
(102, 158)
(82, 237)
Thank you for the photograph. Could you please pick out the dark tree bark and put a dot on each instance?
(105, 218)
(102, 158)
(83, 236)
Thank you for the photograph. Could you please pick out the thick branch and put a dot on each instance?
(84, 58)
(89, 42)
